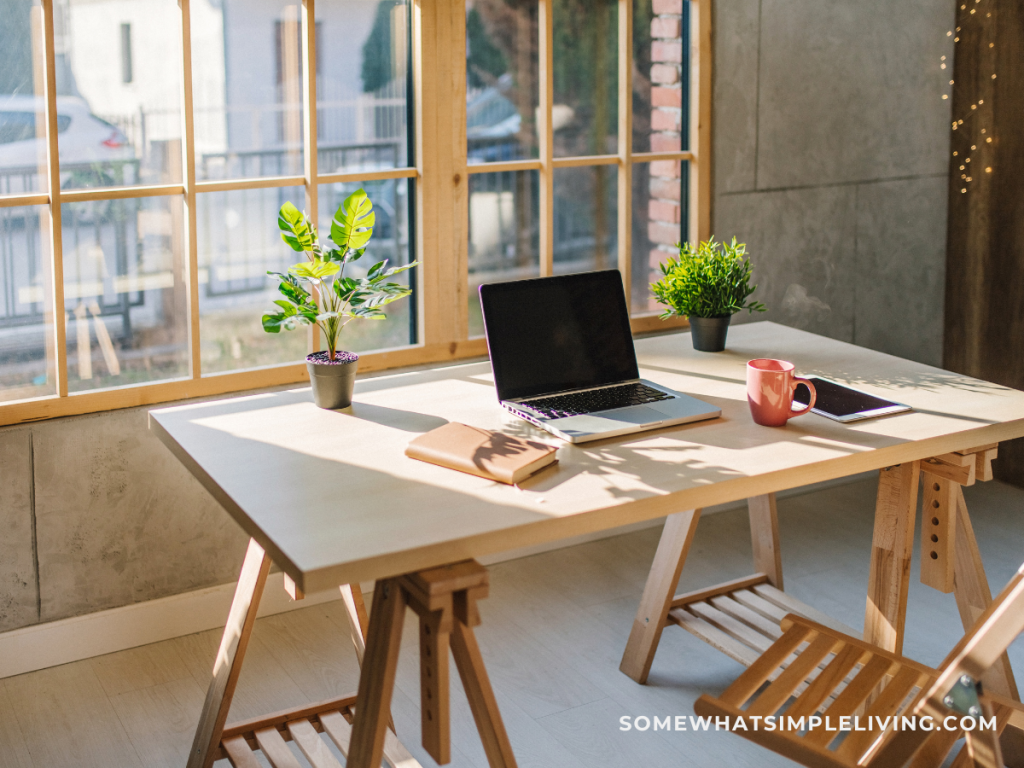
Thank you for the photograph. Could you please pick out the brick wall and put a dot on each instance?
(664, 210)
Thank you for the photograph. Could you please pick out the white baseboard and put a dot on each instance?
(94, 634)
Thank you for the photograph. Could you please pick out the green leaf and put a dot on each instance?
(296, 229)
(315, 270)
(353, 222)
(710, 280)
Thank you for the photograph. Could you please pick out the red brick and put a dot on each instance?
(667, 234)
(667, 97)
(663, 142)
(666, 169)
(665, 119)
(662, 50)
(665, 189)
(660, 210)
(667, 74)
(657, 257)
(668, 6)
(665, 27)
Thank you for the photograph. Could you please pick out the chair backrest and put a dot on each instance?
(952, 691)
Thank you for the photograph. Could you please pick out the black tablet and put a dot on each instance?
(842, 403)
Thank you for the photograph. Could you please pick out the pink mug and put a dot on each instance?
(770, 387)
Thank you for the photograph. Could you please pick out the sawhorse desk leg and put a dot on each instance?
(445, 601)
(237, 742)
(709, 613)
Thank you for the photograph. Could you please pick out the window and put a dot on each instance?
(137, 226)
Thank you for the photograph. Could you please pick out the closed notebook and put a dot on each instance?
(481, 452)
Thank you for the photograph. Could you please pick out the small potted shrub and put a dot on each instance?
(321, 277)
(708, 284)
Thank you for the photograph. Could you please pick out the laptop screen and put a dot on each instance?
(554, 334)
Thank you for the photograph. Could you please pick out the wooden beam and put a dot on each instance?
(985, 241)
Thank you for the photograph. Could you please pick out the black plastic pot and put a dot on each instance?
(332, 382)
(708, 333)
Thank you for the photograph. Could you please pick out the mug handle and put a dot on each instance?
(814, 396)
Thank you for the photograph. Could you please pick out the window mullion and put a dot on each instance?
(309, 135)
(188, 176)
(442, 206)
(53, 178)
(625, 132)
(545, 63)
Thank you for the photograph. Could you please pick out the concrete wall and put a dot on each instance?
(95, 513)
(830, 156)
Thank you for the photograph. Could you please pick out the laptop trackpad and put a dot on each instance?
(608, 420)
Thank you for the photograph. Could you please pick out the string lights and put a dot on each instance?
(971, 110)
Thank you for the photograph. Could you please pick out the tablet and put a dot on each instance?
(842, 403)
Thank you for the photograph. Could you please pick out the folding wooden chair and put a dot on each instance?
(813, 670)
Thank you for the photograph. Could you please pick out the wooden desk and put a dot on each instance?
(332, 499)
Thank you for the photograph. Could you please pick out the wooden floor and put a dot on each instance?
(553, 631)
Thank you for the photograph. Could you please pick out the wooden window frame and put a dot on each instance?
(441, 174)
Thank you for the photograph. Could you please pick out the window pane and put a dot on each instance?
(238, 243)
(585, 222)
(247, 89)
(504, 235)
(26, 306)
(119, 88)
(22, 120)
(390, 241)
(124, 295)
(363, 86)
(501, 80)
(659, 222)
(661, 77)
(586, 77)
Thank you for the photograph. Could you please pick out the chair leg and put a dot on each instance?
(764, 538)
(676, 538)
(891, 546)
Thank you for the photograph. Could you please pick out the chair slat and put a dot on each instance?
(239, 753)
(275, 749)
(778, 692)
(754, 677)
(847, 702)
(935, 749)
(825, 683)
(856, 744)
(311, 745)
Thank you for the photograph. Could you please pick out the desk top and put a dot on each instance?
(333, 498)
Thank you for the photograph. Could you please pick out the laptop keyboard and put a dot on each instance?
(593, 400)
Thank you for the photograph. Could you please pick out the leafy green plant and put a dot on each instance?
(710, 280)
(341, 298)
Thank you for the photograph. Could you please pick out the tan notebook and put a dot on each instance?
(481, 452)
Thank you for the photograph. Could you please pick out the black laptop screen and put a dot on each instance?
(558, 333)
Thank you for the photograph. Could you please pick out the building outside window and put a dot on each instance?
(137, 230)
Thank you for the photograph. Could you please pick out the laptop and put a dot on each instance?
(563, 359)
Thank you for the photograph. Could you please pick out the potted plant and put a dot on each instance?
(317, 292)
(708, 284)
